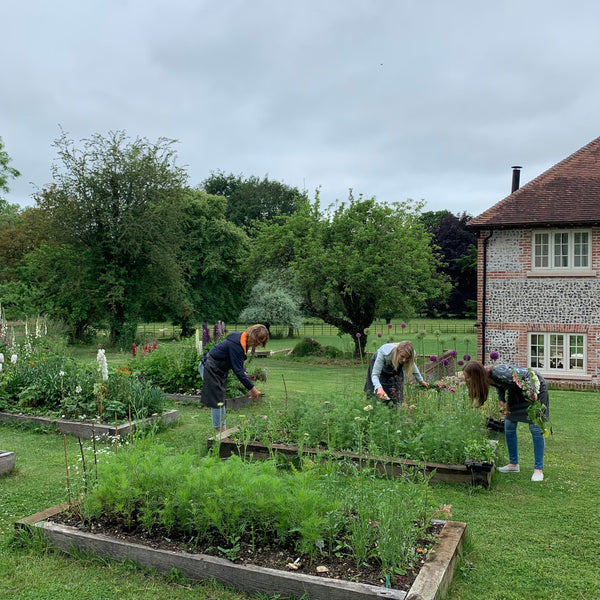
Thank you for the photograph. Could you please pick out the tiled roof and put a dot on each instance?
(566, 194)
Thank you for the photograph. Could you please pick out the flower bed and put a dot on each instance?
(435, 430)
(7, 462)
(432, 582)
(85, 429)
(393, 467)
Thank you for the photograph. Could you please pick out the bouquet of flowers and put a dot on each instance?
(530, 388)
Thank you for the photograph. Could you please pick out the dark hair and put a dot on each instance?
(478, 382)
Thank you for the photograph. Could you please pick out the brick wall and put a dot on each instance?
(517, 304)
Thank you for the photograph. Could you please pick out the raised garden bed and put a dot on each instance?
(394, 467)
(83, 429)
(431, 583)
(7, 462)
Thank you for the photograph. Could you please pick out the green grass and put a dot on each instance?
(525, 540)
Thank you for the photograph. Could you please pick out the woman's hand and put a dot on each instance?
(424, 384)
(380, 393)
(253, 393)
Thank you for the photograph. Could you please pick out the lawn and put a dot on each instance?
(525, 540)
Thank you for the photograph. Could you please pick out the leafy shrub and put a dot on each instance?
(307, 347)
(173, 366)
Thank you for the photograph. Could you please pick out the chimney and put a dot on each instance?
(515, 179)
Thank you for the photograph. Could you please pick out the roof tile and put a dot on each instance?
(567, 193)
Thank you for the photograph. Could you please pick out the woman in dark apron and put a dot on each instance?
(385, 377)
(227, 355)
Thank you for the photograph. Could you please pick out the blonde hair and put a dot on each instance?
(408, 349)
(257, 335)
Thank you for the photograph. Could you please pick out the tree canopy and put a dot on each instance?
(361, 260)
(253, 199)
(274, 300)
(6, 171)
(456, 243)
(116, 207)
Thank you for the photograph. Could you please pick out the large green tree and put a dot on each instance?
(252, 199)
(212, 257)
(118, 205)
(456, 244)
(361, 260)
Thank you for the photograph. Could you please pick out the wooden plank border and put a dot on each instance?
(431, 584)
(82, 429)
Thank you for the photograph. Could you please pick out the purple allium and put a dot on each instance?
(358, 335)
(433, 358)
(389, 325)
(494, 355)
(466, 357)
(460, 363)
(379, 334)
(403, 325)
(452, 352)
(445, 362)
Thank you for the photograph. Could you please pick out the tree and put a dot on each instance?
(273, 301)
(363, 259)
(253, 200)
(456, 243)
(6, 171)
(212, 258)
(118, 205)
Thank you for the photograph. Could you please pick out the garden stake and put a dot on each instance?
(285, 388)
(116, 435)
(83, 466)
(94, 446)
(130, 430)
(67, 467)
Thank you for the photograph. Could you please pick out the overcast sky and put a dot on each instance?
(431, 100)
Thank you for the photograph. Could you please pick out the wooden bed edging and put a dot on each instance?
(82, 429)
(431, 583)
(393, 467)
(7, 461)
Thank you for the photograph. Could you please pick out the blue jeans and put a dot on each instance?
(510, 434)
(218, 416)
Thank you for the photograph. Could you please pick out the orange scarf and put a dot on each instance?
(244, 341)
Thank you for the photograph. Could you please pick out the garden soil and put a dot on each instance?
(263, 556)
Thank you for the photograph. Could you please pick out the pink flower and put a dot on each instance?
(358, 335)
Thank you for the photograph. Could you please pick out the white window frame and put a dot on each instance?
(557, 352)
(544, 257)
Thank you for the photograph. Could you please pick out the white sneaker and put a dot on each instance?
(509, 469)
(537, 476)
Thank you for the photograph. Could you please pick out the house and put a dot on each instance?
(538, 273)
